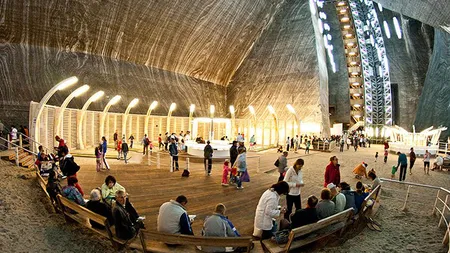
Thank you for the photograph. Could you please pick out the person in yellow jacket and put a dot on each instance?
(360, 170)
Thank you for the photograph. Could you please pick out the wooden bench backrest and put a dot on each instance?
(343, 216)
(373, 195)
(82, 211)
(42, 183)
(193, 240)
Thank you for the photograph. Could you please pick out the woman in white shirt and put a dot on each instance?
(267, 210)
(294, 178)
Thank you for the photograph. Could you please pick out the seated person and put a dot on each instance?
(375, 180)
(325, 207)
(305, 216)
(349, 196)
(280, 149)
(437, 165)
(109, 189)
(53, 187)
(337, 197)
(95, 205)
(360, 170)
(360, 195)
(71, 192)
(218, 225)
(173, 217)
(126, 227)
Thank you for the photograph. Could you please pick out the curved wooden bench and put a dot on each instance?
(74, 212)
(153, 241)
(307, 234)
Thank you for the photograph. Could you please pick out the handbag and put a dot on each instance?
(282, 236)
(245, 177)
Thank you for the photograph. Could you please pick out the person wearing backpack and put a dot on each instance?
(173, 151)
(207, 154)
(69, 168)
(125, 150)
(145, 142)
(281, 164)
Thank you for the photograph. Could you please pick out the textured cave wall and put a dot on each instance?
(282, 68)
(434, 104)
(27, 73)
(203, 39)
(338, 84)
(431, 12)
(408, 63)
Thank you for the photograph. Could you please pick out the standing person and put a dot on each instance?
(341, 148)
(288, 143)
(119, 149)
(292, 143)
(131, 140)
(125, 150)
(145, 142)
(412, 160)
(98, 158)
(115, 139)
(267, 210)
(403, 163)
(166, 141)
(104, 149)
(376, 156)
(386, 145)
(13, 134)
(308, 144)
(349, 142)
(426, 162)
(386, 153)
(160, 143)
(69, 168)
(226, 170)
(332, 173)
(233, 153)
(252, 142)
(173, 151)
(296, 143)
(294, 178)
(207, 155)
(282, 165)
(241, 165)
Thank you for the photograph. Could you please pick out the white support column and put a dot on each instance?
(104, 115)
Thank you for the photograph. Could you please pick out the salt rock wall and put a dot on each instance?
(27, 73)
(281, 69)
(434, 104)
(408, 59)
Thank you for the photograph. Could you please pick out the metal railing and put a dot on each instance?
(445, 210)
(16, 147)
(32, 143)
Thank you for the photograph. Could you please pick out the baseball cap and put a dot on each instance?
(331, 186)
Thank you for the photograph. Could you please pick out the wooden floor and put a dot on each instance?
(149, 187)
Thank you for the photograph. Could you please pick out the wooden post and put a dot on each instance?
(443, 211)
(446, 237)
(16, 151)
(406, 199)
(435, 202)
(20, 141)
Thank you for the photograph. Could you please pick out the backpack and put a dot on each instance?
(277, 163)
(146, 141)
(185, 173)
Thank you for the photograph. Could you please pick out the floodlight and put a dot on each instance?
(172, 107)
(251, 109)
(80, 90)
(290, 108)
(153, 105)
(67, 82)
(271, 110)
(192, 108)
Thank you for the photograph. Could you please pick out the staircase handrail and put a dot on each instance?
(17, 146)
(32, 140)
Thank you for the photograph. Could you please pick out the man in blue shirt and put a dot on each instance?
(173, 151)
(403, 163)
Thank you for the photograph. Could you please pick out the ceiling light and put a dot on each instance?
(251, 109)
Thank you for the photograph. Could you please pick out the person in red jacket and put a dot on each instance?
(332, 173)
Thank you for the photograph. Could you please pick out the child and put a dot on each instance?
(280, 149)
(226, 169)
(233, 175)
(394, 170)
(385, 155)
(98, 158)
(151, 146)
(376, 156)
(360, 170)
(119, 149)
